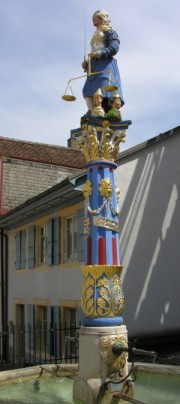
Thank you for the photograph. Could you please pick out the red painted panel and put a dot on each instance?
(114, 251)
(102, 251)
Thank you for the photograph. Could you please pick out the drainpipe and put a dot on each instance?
(4, 290)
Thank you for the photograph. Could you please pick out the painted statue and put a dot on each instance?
(97, 109)
(104, 46)
(114, 112)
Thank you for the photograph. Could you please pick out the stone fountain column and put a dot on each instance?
(102, 297)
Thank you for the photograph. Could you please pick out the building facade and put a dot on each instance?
(46, 244)
(149, 181)
(28, 168)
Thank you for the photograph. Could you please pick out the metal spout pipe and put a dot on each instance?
(118, 349)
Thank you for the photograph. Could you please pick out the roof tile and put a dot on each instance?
(41, 152)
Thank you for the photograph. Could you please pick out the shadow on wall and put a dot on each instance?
(149, 238)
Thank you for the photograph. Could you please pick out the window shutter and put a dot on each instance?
(30, 321)
(18, 250)
(80, 235)
(79, 317)
(65, 240)
(49, 242)
(56, 240)
(23, 249)
(56, 316)
(57, 332)
(31, 247)
(49, 328)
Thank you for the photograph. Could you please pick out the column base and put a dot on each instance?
(101, 373)
(102, 321)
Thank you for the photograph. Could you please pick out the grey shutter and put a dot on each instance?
(31, 247)
(23, 248)
(80, 235)
(49, 242)
(49, 329)
(56, 240)
(57, 331)
(18, 250)
(30, 321)
(79, 317)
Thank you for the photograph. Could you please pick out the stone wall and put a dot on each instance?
(23, 180)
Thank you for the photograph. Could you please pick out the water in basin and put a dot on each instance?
(157, 388)
(44, 390)
(152, 388)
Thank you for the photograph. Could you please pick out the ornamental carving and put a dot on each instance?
(105, 187)
(87, 189)
(100, 143)
(106, 223)
(105, 190)
(112, 362)
(102, 293)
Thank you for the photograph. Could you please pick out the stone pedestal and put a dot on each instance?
(98, 365)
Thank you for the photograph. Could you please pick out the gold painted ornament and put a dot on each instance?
(106, 148)
(102, 293)
(105, 187)
(87, 189)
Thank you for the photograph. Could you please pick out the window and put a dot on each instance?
(71, 238)
(31, 246)
(70, 336)
(20, 330)
(21, 249)
(44, 330)
(44, 326)
(41, 327)
(49, 242)
(53, 241)
(42, 244)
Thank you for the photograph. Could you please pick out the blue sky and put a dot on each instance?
(43, 44)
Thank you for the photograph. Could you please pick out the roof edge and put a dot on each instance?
(148, 142)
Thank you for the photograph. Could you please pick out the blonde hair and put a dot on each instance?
(103, 15)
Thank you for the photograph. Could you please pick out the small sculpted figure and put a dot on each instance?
(104, 46)
(97, 109)
(114, 111)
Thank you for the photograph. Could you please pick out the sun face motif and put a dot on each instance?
(87, 189)
(105, 187)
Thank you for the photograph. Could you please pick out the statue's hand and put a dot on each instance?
(85, 65)
(95, 55)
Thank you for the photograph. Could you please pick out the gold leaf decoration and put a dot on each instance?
(102, 293)
(104, 148)
(105, 187)
(87, 189)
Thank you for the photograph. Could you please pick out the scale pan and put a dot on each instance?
(68, 97)
(110, 88)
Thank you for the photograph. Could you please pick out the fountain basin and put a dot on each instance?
(155, 384)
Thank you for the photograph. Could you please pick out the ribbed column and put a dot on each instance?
(102, 297)
(103, 241)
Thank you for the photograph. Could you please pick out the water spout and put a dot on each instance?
(118, 349)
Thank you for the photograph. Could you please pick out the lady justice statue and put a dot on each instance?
(104, 46)
(102, 297)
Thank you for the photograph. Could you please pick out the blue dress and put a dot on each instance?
(107, 45)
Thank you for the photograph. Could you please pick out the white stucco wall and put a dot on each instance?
(149, 181)
(54, 283)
